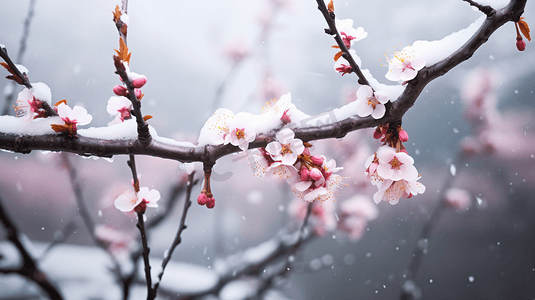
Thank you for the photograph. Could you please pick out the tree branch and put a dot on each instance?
(29, 268)
(181, 227)
(330, 18)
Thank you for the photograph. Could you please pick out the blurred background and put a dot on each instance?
(251, 52)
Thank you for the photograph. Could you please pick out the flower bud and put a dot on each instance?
(305, 174)
(120, 90)
(306, 151)
(141, 207)
(139, 82)
(403, 135)
(285, 117)
(520, 44)
(378, 133)
(317, 160)
(210, 203)
(138, 93)
(315, 174)
(202, 199)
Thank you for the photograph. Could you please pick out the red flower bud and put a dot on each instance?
(285, 117)
(403, 135)
(315, 174)
(210, 203)
(139, 82)
(520, 44)
(306, 151)
(202, 199)
(377, 134)
(137, 93)
(317, 160)
(120, 90)
(305, 174)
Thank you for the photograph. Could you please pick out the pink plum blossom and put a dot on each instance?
(27, 105)
(391, 190)
(216, 128)
(370, 103)
(348, 33)
(355, 214)
(457, 198)
(129, 200)
(395, 165)
(240, 134)
(342, 65)
(322, 215)
(279, 108)
(404, 66)
(119, 107)
(286, 148)
(320, 183)
(71, 118)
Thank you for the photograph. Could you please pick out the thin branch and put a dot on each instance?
(486, 9)
(332, 30)
(29, 268)
(181, 227)
(268, 282)
(86, 215)
(418, 252)
(20, 55)
(146, 250)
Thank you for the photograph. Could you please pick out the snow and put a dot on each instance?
(239, 289)
(180, 277)
(10, 256)
(42, 92)
(126, 19)
(257, 254)
(22, 69)
(496, 4)
(40, 126)
(393, 91)
(435, 51)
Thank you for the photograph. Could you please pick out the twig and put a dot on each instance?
(86, 215)
(146, 250)
(268, 282)
(427, 228)
(486, 9)
(29, 268)
(20, 55)
(330, 18)
(181, 227)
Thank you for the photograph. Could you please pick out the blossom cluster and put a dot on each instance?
(392, 169)
(31, 104)
(312, 177)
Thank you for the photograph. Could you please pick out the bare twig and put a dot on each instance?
(29, 268)
(146, 250)
(86, 215)
(181, 227)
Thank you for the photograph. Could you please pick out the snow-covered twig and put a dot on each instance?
(20, 55)
(29, 267)
(486, 9)
(332, 30)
